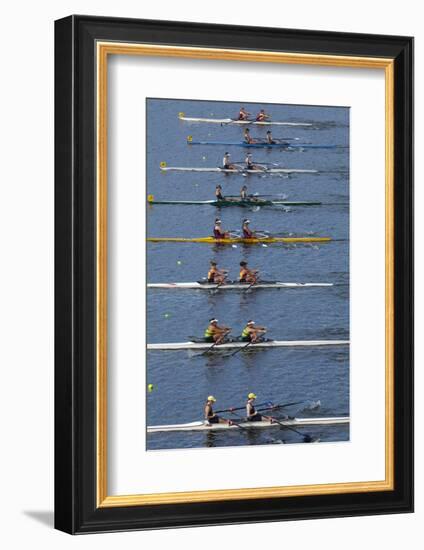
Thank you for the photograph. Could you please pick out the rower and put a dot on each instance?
(247, 233)
(214, 333)
(226, 164)
(269, 139)
(262, 116)
(247, 136)
(248, 162)
(218, 193)
(251, 413)
(216, 275)
(252, 332)
(243, 114)
(247, 275)
(210, 416)
(243, 193)
(218, 233)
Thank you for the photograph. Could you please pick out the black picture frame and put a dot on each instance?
(76, 509)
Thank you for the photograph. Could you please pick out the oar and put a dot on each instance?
(215, 290)
(306, 437)
(268, 402)
(237, 350)
(247, 429)
(231, 409)
(213, 345)
(237, 424)
(266, 163)
(209, 349)
(250, 286)
(277, 195)
(273, 407)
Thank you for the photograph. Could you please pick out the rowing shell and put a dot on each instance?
(241, 122)
(201, 426)
(173, 346)
(239, 202)
(234, 285)
(263, 144)
(231, 240)
(264, 170)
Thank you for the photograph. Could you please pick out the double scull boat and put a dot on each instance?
(202, 345)
(291, 422)
(225, 121)
(262, 144)
(239, 240)
(239, 170)
(233, 285)
(237, 201)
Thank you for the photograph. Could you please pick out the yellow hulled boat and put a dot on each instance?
(235, 240)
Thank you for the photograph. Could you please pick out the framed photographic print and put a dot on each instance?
(233, 274)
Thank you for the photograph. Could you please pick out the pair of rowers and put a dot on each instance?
(248, 163)
(219, 233)
(252, 415)
(248, 138)
(260, 117)
(243, 193)
(217, 334)
(219, 276)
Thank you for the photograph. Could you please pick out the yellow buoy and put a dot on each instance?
(150, 388)
(180, 115)
(150, 198)
(189, 139)
(162, 164)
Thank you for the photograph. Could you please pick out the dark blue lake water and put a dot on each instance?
(320, 376)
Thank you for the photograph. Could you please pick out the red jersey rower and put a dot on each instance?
(262, 116)
(246, 231)
(243, 114)
(218, 233)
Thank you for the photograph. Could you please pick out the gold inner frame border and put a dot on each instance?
(103, 50)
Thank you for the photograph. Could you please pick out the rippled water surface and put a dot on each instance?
(319, 376)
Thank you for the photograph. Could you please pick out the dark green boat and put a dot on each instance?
(237, 201)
